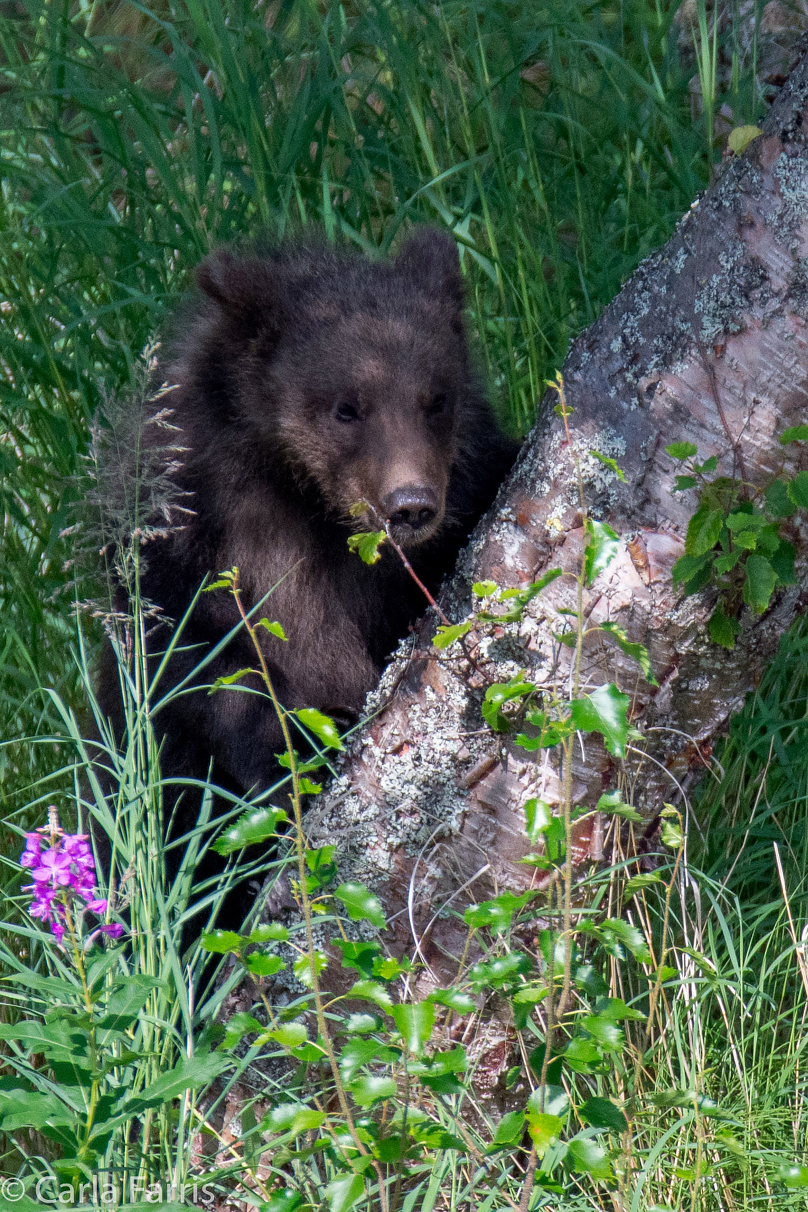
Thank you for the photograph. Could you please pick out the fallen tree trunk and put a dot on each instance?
(707, 344)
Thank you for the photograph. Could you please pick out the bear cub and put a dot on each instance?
(307, 380)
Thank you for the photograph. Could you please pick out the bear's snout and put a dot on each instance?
(411, 511)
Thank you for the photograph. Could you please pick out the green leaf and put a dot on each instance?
(306, 966)
(637, 652)
(605, 710)
(519, 599)
(694, 571)
(230, 679)
(782, 561)
(291, 1035)
(321, 725)
(192, 1073)
(127, 998)
(317, 860)
(581, 1054)
(496, 914)
(307, 787)
(283, 1201)
(389, 968)
(793, 1175)
(360, 954)
(550, 1100)
(745, 519)
(362, 904)
(544, 1130)
(294, 1118)
(361, 1024)
(530, 995)
(222, 942)
(722, 629)
(537, 818)
(453, 999)
(671, 834)
(510, 1128)
(269, 932)
(446, 635)
(302, 765)
(359, 1052)
(366, 544)
(264, 965)
(343, 1192)
(725, 563)
(500, 693)
(552, 731)
(797, 490)
(631, 938)
(238, 1026)
(610, 463)
(612, 802)
(738, 140)
(604, 1032)
(273, 629)
(225, 581)
(502, 972)
(254, 826)
(415, 1021)
(638, 882)
(590, 1157)
(778, 501)
(453, 1061)
(484, 589)
(795, 433)
(371, 991)
(601, 546)
(370, 1088)
(760, 583)
(602, 1113)
(703, 531)
(682, 483)
(681, 451)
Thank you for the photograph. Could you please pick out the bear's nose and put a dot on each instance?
(414, 507)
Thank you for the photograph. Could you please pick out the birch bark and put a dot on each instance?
(706, 343)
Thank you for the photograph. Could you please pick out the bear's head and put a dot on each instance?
(354, 373)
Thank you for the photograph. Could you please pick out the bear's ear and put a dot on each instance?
(429, 257)
(242, 286)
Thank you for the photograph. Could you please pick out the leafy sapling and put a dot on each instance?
(735, 540)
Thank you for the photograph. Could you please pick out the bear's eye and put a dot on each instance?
(437, 404)
(347, 411)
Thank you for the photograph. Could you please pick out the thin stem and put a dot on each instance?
(78, 959)
(385, 525)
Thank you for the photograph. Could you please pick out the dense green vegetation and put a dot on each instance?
(560, 144)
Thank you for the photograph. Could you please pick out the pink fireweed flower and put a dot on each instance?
(63, 869)
(33, 846)
(54, 869)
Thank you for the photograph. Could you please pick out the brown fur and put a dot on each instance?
(309, 380)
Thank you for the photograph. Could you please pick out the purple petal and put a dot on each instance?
(113, 929)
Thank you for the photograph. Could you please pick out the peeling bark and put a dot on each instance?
(706, 343)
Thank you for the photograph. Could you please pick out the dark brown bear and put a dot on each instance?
(309, 380)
